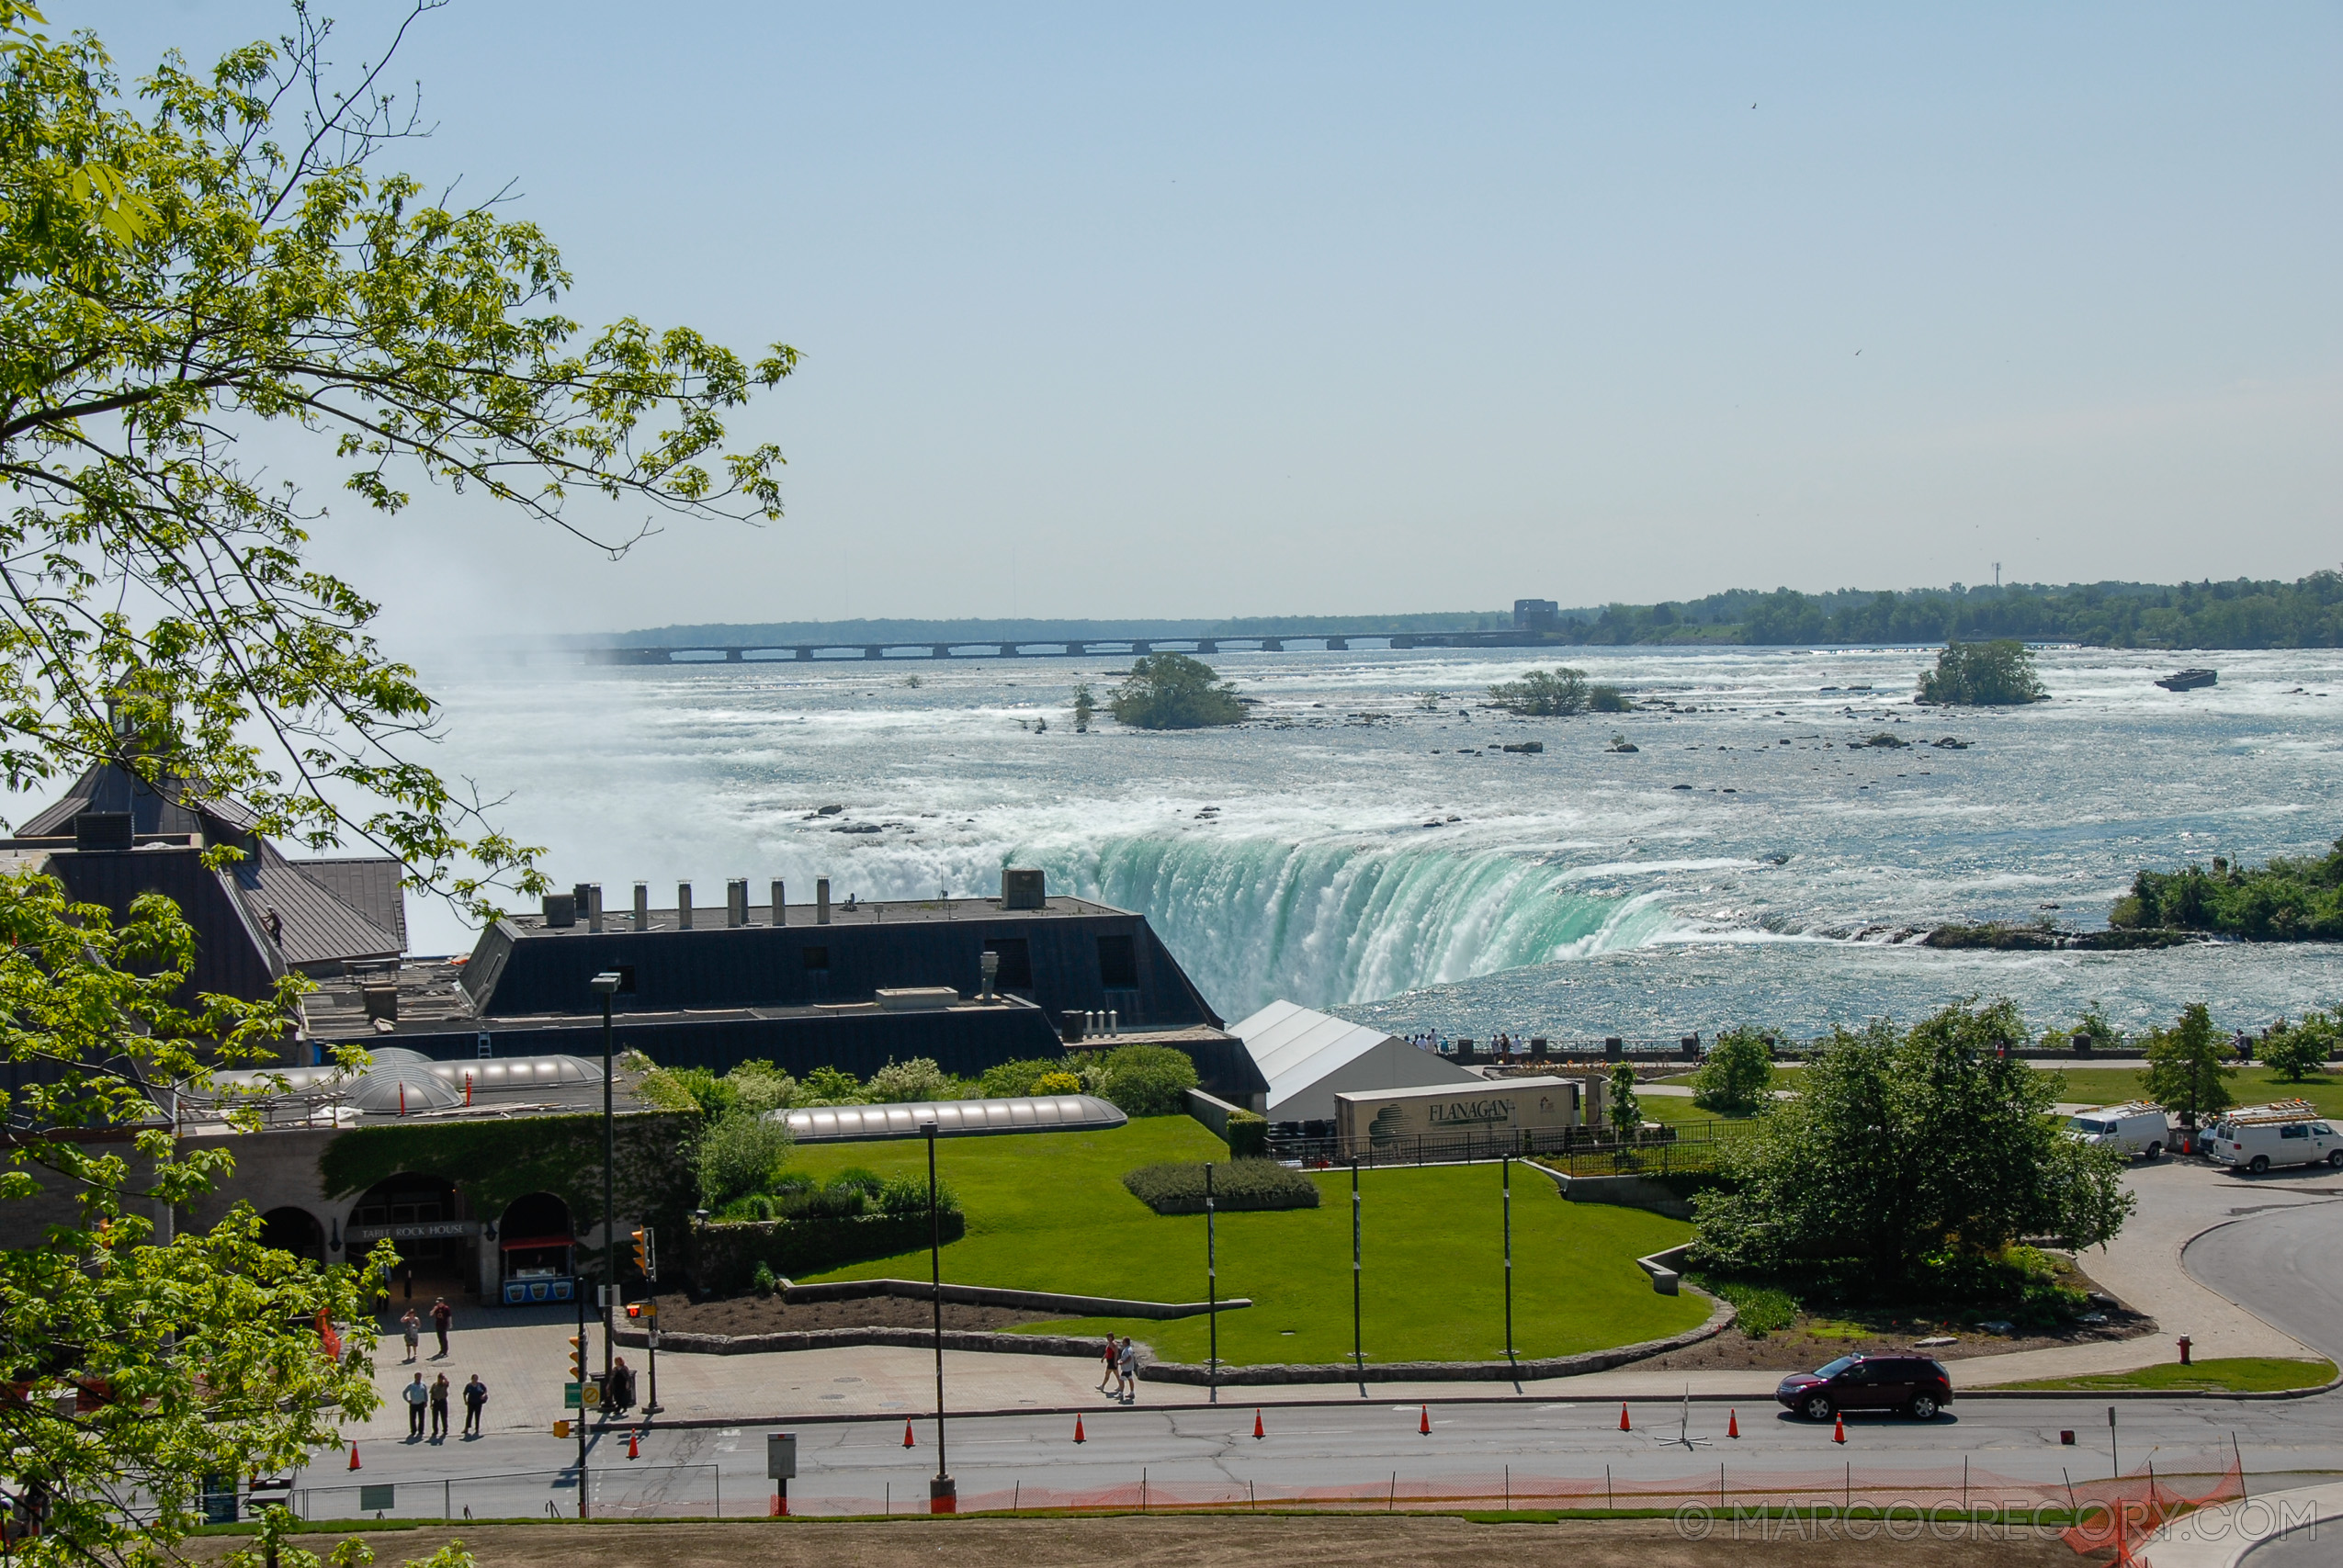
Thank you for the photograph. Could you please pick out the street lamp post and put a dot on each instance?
(1358, 1345)
(605, 984)
(943, 1497)
(1212, 1281)
(1506, 1179)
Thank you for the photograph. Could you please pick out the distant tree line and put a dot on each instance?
(2307, 613)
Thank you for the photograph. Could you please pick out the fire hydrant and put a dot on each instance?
(2184, 1349)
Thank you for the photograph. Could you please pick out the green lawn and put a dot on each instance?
(2236, 1374)
(2254, 1085)
(1048, 1212)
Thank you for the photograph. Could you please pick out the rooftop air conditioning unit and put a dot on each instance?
(1023, 890)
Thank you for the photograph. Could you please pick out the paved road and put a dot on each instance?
(1184, 1448)
(2284, 1264)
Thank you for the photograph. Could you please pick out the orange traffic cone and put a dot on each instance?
(1258, 1433)
(1078, 1430)
(353, 1456)
(1840, 1435)
(1622, 1417)
(1424, 1426)
(907, 1435)
(1732, 1422)
(634, 1445)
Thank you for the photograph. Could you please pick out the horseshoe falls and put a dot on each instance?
(1784, 828)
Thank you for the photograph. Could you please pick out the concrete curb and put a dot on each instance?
(1720, 1317)
(995, 1296)
(845, 1338)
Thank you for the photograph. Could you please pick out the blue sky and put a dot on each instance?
(1240, 309)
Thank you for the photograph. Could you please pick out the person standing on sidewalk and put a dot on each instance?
(416, 1396)
(1126, 1371)
(1106, 1381)
(439, 1408)
(442, 1315)
(475, 1401)
(411, 1328)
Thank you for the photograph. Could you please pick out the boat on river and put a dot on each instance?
(2188, 680)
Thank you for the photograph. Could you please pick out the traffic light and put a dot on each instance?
(577, 1358)
(643, 1253)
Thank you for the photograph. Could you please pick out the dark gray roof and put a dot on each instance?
(176, 808)
(368, 883)
(318, 927)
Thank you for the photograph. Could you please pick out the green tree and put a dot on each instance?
(1608, 699)
(183, 271)
(1085, 707)
(2300, 1051)
(1148, 1080)
(1736, 1078)
(1543, 694)
(738, 1154)
(2189, 1067)
(1170, 690)
(2092, 1025)
(184, 275)
(196, 1353)
(1904, 1147)
(1624, 1111)
(1983, 674)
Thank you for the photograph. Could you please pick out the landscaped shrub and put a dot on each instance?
(1247, 1135)
(1240, 1184)
(1149, 1080)
(899, 1083)
(737, 1154)
(724, 1258)
(1008, 1081)
(1057, 1082)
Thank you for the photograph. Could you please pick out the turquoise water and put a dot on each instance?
(1362, 845)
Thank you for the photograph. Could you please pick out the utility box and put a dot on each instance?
(916, 999)
(780, 1456)
(1023, 890)
(1495, 1111)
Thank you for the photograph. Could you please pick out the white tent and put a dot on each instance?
(1309, 1057)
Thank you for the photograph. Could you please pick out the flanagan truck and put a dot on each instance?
(1493, 1113)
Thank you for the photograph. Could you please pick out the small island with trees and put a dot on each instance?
(1171, 691)
(1983, 674)
(2291, 900)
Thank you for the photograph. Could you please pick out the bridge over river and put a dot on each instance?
(1044, 648)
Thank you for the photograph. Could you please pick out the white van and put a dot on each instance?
(2286, 1133)
(2137, 1128)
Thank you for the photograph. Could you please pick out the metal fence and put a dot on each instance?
(619, 1490)
(1577, 1151)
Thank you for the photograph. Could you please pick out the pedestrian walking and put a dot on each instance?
(416, 1396)
(1106, 1381)
(1126, 1371)
(439, 1409)
(622, 1386)
(442, 1315)
(411, 1326)
(475, 1401)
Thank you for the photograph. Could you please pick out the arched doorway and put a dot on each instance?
(536, 1251)
(425, 1219)
(295, 1231)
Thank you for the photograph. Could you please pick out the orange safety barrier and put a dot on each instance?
(2102, 1509)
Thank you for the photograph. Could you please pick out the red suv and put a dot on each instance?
(1911, 1384)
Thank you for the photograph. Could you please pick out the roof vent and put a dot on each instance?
(1023, 890)
(102, 831)
(560, 908)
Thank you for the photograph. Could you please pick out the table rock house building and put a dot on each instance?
(515, 1029)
